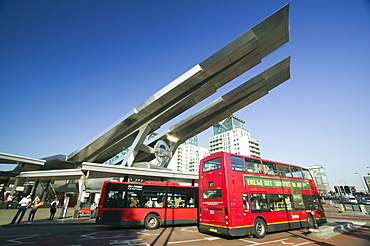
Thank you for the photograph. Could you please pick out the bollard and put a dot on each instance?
(362, 208)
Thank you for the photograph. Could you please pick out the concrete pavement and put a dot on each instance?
(337, 222)
(41, 217)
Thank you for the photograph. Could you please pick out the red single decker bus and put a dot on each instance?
(240, 195)
(151, 204)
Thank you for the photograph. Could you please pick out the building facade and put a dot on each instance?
(230, 136)
(187, 156)
(320, 177)
(367, 182)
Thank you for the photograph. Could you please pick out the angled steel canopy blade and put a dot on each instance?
(195, 85)
(225, 106)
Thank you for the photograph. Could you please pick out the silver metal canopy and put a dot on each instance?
(192, 87)
(23, 163)
(223, 107)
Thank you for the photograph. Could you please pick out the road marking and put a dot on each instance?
(283, 242)
(245, 240)
(133, 242)
(90, 237)
(301, 243)
(192, 227)
(267, 242)
(146, 234)
(195, 240)
(16, 240)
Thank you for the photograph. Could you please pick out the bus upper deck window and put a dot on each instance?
(270, 168)
(284, 170)
(306, 173)
(297, 172)
(211, 165)
(237, 163)
(253, 166)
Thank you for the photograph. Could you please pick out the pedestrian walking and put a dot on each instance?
(53, 208)
(35, 205)
(23, 205)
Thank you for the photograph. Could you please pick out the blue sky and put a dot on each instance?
(69, 69)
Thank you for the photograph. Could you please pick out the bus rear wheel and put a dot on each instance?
(151, 222)
(311, 221)
(260, 228)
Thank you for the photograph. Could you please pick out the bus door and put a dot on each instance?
(132, 201)
(113, 202)
(175, 204)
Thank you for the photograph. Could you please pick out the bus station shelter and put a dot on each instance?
(203, 80)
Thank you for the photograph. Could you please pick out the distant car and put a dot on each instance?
(352, 199)
(322, 200)
(364, 200)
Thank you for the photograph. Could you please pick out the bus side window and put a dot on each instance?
(306, 173)
(253, 166)
(237, 163)
(245, 201)
(132, 200)
(120, 201)
(284, 170)
(276, 202)
(297, 172)
(259, 202)
(114, 199)
(270, 168)
(191, 203)
(176, 200)
(191, 197)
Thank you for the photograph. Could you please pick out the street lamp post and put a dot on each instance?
(361, 181)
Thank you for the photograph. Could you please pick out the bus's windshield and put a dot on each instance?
(211, 165)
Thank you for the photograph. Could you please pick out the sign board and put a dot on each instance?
(64, 208)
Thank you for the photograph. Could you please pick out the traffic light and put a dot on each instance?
(336, 189)
(346, 189)
(341, 189)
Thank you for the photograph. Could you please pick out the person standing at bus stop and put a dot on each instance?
(53, 208)
(23, 205)
(93, 210)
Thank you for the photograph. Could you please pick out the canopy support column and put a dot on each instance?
(81, 188)
(14, 186)
(136, 145)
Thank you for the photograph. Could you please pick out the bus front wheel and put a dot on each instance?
(151, 222)
(260, 228)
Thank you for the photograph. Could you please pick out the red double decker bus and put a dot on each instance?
(240, 195)
(149, 204)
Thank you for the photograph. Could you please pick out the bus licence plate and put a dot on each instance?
(213, 230)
